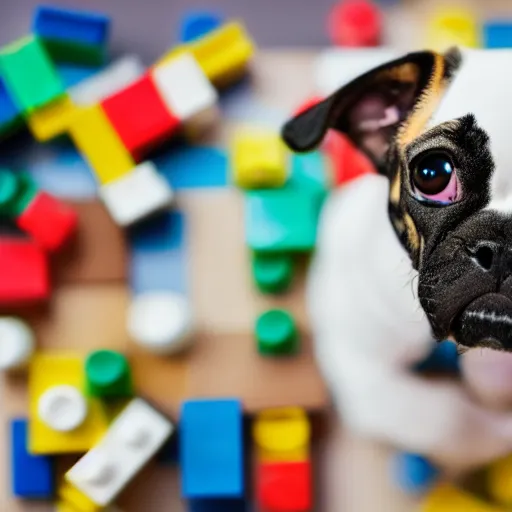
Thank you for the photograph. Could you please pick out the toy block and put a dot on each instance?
(497, 34)
(140, 133)
(218, 505)
(355, 23)
(444, 358)
(72, 74)
(29, 74)
(17, 344)
(10, 114)
(276, 333)
(107, 82)
(17, 191)
(413, 473)
(284, 486)
(310, 172)
(161, 322)
(272, 273)
(97, 140)
(72, 36)
(499, 476)
(211, 449)
(136, 195)
(453, 27)
(60, 379)
(196, 24)
(24, 274)
(259, 159)
(223, 54)
(108, 375)
(137, 433)
(278, 221)
(32, 476)
(52, 119)
(186, 90)
(73, 500)
(446, 498)
(282, 435)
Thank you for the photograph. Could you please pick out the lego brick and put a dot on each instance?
(73, 74)
(32, 476)
(259, 159)
(223, 54)
(17, 191)
(108, 81)
(282, 434)
(17, 345)
(497, 34)
(98, 141)
(276, 333)
(218, 505)
(499, 476)
(10, 114)
(444, 358)
(309, 172)
(196, 24)
(108, 374)
(184, 88)
(140, 133)
(52, 119)
(136, 195)
(48, 221)
(453, 27)
(211, 449)
(73, 500)
(29, 74)
(413, 473)
(446, 498)
(281, 220)
(23, 271)
(48, 370)
(284, 486)
(131, 440)
(272, 273)
(355, 23)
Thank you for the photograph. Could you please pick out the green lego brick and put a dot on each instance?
(276, 333)
(282, 220)
(74, 53)
(272, 273)
(309, 172)
(29, 74)
(108, 375)
(17, 191)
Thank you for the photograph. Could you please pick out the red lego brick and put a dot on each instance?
(23, 271)
(284, 486)
(305, 105)
(48, 221)
(140, 117)
(347, 161)
(355, 23)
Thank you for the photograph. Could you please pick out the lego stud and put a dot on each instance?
(62, 408)
(137, 436)
(276, 333)
(160, 322)
(108, 374)
(96, 469)
(16, 343)
(272, 273)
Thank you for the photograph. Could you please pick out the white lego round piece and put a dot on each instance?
(16, 343)
(62, 408)
(97, 470)
(160, 321)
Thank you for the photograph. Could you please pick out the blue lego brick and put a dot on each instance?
(414, 474)
(444, 358)
(497, 34)
(33, 476)
(9, 112)
(187, 167)
(72, 74)
(217, 505)
(196, 24)
(58, 23)
(212, 449)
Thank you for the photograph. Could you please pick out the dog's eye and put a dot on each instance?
(434, 178)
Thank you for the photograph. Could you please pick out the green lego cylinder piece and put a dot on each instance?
(272, 273)
(276, 333)
(108, 374)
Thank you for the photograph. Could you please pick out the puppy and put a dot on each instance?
(420, 251)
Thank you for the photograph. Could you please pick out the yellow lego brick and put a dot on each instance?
(453, 27)
(223, 54)
(259, 159)
(100, 144)
(74, 500)
(447, 498)
(499, 481)
(46, 371)
(52, 119)
(282, 434)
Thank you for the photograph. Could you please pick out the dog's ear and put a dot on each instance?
(372, 108)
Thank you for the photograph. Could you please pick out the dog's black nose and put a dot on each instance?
(492, 257)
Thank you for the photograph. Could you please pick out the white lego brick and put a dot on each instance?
(112, 79)
(185, 88)
(336, 67)
(132, 439)
(62, 408)
(136, 195)
(161, 322)
(16, 343)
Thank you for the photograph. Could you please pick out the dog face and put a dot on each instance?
(436, 127)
